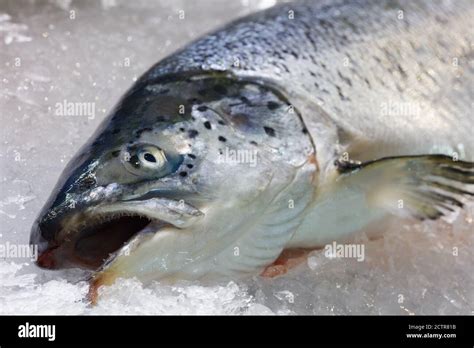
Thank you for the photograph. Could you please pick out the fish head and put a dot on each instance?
(174, 169)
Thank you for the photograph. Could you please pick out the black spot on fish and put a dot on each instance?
(325, 24)
(207, 124)
(278, 55)
(270, 131)
(304, 130)
(116, 153)
(367, 83)
(313, 59)
(195, 101)
(162, 118)
(402, 72)
(253, 142)
(202, 108)
(183, 174)
(341, 95)
(271, 105)
(221, 122)
(345, 79)
(308, 35)
(221, 138)
(193, 133)
(245, 100)
(182, 129)
(190, 166)
(220, 89)
(190, 155)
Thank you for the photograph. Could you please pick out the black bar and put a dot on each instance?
(221, 330)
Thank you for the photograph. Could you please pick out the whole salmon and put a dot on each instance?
(288, 129)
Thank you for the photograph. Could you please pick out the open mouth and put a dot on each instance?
(97, 236)
(98, 240)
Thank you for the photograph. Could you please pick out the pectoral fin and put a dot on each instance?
(424, 187)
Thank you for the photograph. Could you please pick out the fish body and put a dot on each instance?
(290, 128)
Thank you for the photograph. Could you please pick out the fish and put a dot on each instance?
(281, 132)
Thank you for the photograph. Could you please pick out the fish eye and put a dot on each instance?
(144, 160)
(151, 157)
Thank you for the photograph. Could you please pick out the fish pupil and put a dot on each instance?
(149, 157)
(272, 105)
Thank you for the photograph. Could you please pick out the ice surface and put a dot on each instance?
(87, 51)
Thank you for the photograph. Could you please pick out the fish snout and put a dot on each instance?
(47, 259)
(43, 235)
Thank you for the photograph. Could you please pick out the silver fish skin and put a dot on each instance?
(289, 128)
(358, 61)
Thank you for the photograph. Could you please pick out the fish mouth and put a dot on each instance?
(94, 237)
(98, 241)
